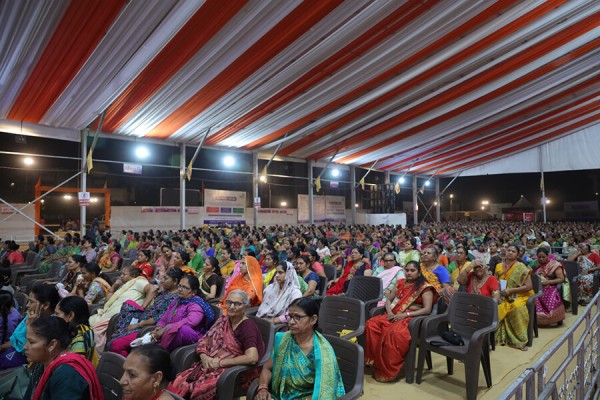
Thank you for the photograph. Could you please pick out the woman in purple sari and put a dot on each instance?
(187, 319)
(549, 307)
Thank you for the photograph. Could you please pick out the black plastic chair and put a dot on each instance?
(322, 288)
(22, 300)
(17, 271)
(330, 271)
(338, 313)
(220, 293)
(369, 289)
(28, 281)
(109, 371)
(532, 328)
(351, 361)
(473, 317)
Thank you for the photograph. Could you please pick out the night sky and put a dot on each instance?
(16, 184)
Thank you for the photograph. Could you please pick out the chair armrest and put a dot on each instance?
(355, 393)
(481, 334)
(377, 311)
(226, 384)
(430, 325)
(596, 281)
(414, 325)
(251, 393)
(369, 305)
(354, 334)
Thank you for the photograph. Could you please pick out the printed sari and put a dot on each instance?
(387, 341)
(200, 383)
(549, 306)
(585, 280)
(513, 317)
(437, 277)
(315, 375)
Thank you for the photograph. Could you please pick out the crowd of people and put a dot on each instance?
(167, 279)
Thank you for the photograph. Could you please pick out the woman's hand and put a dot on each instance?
(263, 394)
(132, 327)
(158, 332)
(505, 292)
(209, 362)
(399, 317)
(34, 314)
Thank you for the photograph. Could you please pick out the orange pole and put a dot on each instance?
(106, 209)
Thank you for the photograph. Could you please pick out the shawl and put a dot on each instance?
(547, 270)
(253, 287)
(83, 368)
(209, 314)
(292, 370)
(276, 301)
(115, 300)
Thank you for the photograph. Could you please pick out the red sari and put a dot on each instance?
(387, 341)
(342, 284)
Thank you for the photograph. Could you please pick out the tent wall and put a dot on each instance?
(573, 152)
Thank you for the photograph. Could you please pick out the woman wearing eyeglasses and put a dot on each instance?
(303, 364)
(390, 274)
(233, 340)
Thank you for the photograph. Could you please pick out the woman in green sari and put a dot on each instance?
(516, 287)
(303, 363)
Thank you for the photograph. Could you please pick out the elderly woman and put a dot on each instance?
(588, 263)
(549, 306)
(388, 337)
(357, 266)
(248, 278)
(233, 340)
(187, 319)
(456, 267)
(146, 373)
(303, 363)
(132, 286)
(280, 294)
(127, 329)
(58, 373)
(478, 280)
(390, 274)
(74, 310)
(513, 316)
(436, 274)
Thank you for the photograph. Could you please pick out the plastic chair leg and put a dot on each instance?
(429, 361)
(472, 377)
(450, 365)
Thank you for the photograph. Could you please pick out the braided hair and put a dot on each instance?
(6, 304)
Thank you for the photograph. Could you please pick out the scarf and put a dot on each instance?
(209, 314)
(276, 301)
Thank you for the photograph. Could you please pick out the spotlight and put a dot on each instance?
(229, 161)
(262, 178)
(28, 161)
(142, 152)
(284, 204)
(427, 183)
(401, 180)
(335, 173)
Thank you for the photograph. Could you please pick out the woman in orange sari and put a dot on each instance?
(388, 337)
(247, 277)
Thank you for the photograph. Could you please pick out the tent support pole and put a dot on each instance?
(311, 200)
(353, 193)
(438, 202)
(182, 186)
(415, 205)
(542, 183)
(255, 186)
(82, 209)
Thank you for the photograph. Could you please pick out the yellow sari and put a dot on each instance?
(513, 316)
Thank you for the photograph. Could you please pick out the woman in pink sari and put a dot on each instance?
(234, 339)
(549, 306)
(390, 274)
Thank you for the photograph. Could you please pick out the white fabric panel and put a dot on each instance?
(576, 151)
(17, 227)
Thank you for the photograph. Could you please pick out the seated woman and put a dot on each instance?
(9, 320)
(311, 278)
(270, 261)
(457, 266)
(131, 286)
(315, 263)
(549, 306)
(210, 283)
(588, 263)
(233, 340)
(146, 373)
(196, 260)
(409, 252)
(436, 274)
(247, 277)
(390, 274)
(42, 302)
(357, 266)
(97, 283)
(478, 280)
(280, 294)
(303, 364)
(68, 285)
(143, 264)
(126, 329)
(513, 317)
(60, 374)
(187, 319)
(111, 260)
(74, 310)
(387, 336)
(226, 264)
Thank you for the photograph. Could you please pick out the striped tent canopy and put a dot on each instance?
(430, 86)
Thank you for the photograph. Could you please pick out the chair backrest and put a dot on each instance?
(22, 299)
(322, 288)
(470, 312)
(126, 262)
(216, 310)
(338, 313)
(536, 283)
(221, 288)
(330, 271)
(571, 269)
(54, 269)
(267, 331)
(110, 371)
(351, 360)
(30, 257)
(365, 288)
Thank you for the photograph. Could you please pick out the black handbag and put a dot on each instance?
(451, 339)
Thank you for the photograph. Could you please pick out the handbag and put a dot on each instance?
(451, 339)
(566, 290)
(14, 383)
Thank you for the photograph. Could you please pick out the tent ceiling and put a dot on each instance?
(437, 86)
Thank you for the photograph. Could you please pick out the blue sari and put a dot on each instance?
(296, 375)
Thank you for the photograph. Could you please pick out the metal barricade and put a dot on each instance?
(580, 382)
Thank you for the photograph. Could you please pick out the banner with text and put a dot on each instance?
(325, 208)
(224, 207)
